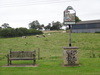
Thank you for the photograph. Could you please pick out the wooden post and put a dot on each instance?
(93, 54)
(38, 53)
(34, 59)
(10, 56)
(70, 29)
(8, 59)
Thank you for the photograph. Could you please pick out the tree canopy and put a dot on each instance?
(77, 19)
(5, 25)
(35, 25)
(56, 26)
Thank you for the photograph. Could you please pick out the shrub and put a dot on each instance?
(11, 32)
(97, 32)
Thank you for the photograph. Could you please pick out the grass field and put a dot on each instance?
(51, 48)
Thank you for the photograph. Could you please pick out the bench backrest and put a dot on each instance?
(22, 54)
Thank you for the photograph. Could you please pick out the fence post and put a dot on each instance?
(38, 53)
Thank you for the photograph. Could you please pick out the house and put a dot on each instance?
(91, 26)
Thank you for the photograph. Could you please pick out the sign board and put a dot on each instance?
(69, 16)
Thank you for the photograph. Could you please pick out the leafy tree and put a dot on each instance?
(39, 27)
(48, 26)
(56, 26)
(42, 25)
(5, 25)
(34, 25)
(77, 19)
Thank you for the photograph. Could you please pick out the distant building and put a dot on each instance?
(86, 27)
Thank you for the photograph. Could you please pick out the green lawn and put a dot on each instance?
(51, 48)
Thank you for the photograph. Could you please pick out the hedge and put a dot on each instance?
(11, 32)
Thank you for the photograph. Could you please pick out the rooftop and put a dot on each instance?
(89, 21)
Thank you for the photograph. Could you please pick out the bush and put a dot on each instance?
(34, 32)
(11, 32)
(97, 32)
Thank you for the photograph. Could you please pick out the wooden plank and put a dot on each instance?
(21, 55)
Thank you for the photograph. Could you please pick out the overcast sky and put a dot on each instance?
(19, 13)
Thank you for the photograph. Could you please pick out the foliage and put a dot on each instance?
(35, 25)
(21, 31)
(48, 26)
(97, 32)
(0, 27)
(11, 32)
(56, 26)
(5, 25)
(33, 31)
(77, 19)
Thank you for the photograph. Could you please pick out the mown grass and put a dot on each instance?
(51, 48)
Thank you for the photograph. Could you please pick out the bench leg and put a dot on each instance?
(10, 62)
(34, 62)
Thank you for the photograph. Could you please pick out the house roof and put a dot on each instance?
(88, 22)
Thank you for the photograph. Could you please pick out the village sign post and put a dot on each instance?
(70, 54)
(69, 19)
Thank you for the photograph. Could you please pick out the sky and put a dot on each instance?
(19, 13)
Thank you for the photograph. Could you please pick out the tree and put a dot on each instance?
(42, 26)
(77, 19)
(34, 25)
(56, 26)
(5, 25)
(48, 26)
(39, 27)
(0, 27)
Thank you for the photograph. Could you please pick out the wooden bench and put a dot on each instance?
(21, 55)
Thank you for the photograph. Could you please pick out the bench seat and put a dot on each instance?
(21, 55)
